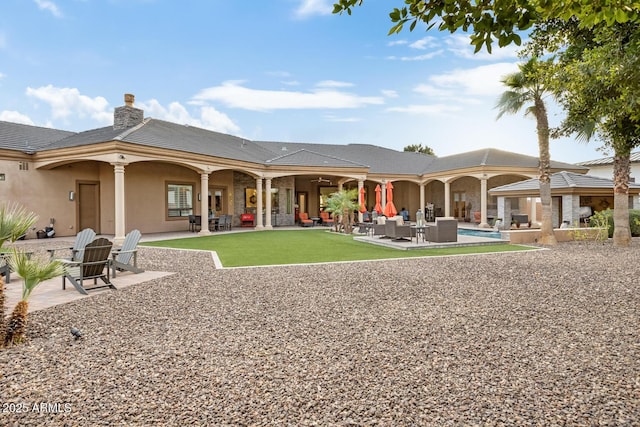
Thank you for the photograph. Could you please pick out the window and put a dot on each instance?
(179, 200)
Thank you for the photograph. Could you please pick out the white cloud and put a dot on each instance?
(340, 119)
(49, 6)
(423, 57)
(233, 94)
(397, 43)
(15, 117)
(66, 102)
(389, 93)
(460, 46)
(209, 118)
(309, 8)
(333, 83)
(424, 43)
(427, 109)
(478, 81)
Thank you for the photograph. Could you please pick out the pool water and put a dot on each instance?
(479, 233)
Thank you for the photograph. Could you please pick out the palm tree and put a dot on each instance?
(527, 86)
(15, 221)
(343, 203)
(34, 271)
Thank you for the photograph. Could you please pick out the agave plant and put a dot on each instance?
(15, 221)
(33, 270)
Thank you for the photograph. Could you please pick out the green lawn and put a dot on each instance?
(308, 246)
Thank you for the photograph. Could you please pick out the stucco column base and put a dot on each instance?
(118, 241)
(259, 227)
(484, 225)
(204, 231)
(268, 227)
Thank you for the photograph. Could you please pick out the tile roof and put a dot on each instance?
(560, 180)
(634, 158)
(27, 138)
(493, 157)
(378, 159)
(190, 139)
(311, 158)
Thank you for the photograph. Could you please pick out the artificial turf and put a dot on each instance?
(277, 247)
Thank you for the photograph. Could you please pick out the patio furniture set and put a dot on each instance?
(216, 223)
(92, 258)
(441, 230)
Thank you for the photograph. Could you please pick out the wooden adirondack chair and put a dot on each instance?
(126, 257)
(83, 238)
(95, 264)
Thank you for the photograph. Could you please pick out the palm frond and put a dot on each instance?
(15, 221)
(33, 270)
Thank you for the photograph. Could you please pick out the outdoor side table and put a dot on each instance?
(419, 231)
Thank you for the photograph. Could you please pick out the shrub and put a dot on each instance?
(605, 219)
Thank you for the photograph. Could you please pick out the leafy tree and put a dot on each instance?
(526, 86)
(597, 82)
(343, 204)
(500, 20)
(419, 148)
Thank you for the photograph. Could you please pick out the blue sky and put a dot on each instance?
(277, 70)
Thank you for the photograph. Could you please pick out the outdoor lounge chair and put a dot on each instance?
(126, 257)
(95, 264)
(444, 230)
(82, 239)
(304, 220)
(395, 231)
(326, 219)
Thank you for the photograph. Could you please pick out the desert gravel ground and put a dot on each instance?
(547, 337)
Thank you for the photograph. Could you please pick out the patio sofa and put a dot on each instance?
(444, 230)
(395, 229)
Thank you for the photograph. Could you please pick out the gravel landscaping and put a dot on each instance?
(547, 337)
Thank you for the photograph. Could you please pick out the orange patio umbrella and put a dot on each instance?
(378, 206)
(363, 206)
(390, 210)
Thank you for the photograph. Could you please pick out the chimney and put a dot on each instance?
(127, 116)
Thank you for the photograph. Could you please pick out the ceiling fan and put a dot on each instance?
(321, 180)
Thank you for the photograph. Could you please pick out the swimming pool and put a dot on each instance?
(479, 233)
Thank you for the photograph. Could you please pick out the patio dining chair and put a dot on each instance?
(126, 256)
(77, 250)
(94, 265)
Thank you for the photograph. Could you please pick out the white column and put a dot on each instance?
(259, 225)
(204, 203)
(383, 195)
(267, 209)
(447, 199)
(360, 187)
(422, 200)
(120, 226)
(483, 203)
(534, 212)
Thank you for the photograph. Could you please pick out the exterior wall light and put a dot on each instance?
(72, 196)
